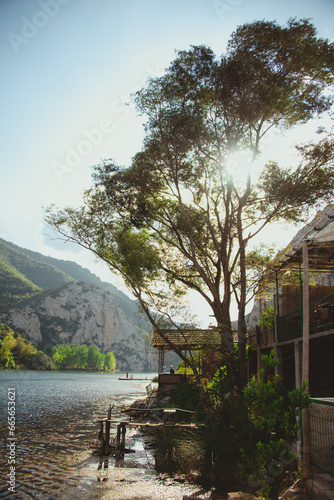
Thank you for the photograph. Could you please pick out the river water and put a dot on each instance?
(49, 450)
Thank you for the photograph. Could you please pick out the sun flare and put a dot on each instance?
(238, 165)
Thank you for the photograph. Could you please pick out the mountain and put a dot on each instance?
(81, 313)
(55, 301)
(23, 273)
(22, 276)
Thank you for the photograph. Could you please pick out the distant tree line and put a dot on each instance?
(17, 352)
(82, 357)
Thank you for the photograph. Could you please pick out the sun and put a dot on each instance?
(238, 165)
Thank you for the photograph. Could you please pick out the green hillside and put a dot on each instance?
(25, 274)
(14, 285)
(41, 274)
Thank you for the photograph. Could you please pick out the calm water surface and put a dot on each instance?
(55, 451)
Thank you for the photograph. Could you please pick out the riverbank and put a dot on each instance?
(57, 425)
(145, 480)
(133, 476)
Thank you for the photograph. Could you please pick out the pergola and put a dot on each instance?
(184, 340)
(312, 252)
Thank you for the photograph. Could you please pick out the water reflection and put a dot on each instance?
(57, 444)
(56, 428)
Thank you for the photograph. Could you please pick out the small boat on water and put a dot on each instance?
(131, 378)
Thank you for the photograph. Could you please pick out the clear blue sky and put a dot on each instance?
(68, 69)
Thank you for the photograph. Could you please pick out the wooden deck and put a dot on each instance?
(117, 445)
(155, 425)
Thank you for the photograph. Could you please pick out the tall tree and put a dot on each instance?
(179, 218)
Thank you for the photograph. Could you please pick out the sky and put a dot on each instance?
(69, 68)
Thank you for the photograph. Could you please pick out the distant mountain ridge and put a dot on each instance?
(25, 273)
(55, 301)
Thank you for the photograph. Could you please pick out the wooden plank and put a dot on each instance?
(150, 424)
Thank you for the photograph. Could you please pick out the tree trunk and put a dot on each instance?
(242, 361)
(242, 327)
(222, 315)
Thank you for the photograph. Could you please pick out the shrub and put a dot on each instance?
(269, 456)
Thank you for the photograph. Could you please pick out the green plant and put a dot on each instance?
(186, 396)
(167, 450)
(267, 317)
(217, 388)
(268, 457)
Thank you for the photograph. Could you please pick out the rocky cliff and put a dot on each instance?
(81, 313)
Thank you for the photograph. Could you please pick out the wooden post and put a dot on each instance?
(306, 351)
(107, 432)
(306, 314)
(101, 436)
(161, 360)
(108, 425)
(122, 446)
(298, 364)
(118, 437)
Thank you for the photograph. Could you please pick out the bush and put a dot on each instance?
(267, 318)
(186, 396)
(269, 456)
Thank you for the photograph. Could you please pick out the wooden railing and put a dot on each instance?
(290, 326)
(261, 336)
(321, 317)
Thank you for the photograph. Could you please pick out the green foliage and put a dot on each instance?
(6, 354)
(100, 364)
(110, 362)
(93, 357)
(185, 369)
(138, 257)
(267, 459)
(23, 351)
(17, 352)
(75, 357)
(41, 361)
(250, 440)
(23, 275)
(167, 450)
(216, 451)
(178, 218)
(267, 317)
(186, 396)
(217, 388)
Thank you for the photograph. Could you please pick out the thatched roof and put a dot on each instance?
(187, 339)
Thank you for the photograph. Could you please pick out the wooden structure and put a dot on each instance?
(184, 340)
(304, 319)
(303, 334)
(117, 446)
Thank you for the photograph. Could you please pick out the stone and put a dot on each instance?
(81, 313)
(239, 495)
(320, 487)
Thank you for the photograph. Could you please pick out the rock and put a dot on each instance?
(81, 313)
(320, 487)
(239, 495)
(192, 497)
